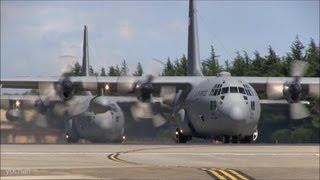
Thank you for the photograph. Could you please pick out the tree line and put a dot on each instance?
(122, 70)
(242, 64)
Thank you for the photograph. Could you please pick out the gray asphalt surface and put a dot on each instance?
(159, 161)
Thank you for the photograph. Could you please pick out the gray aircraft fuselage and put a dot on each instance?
(219, 106)
(87, 124)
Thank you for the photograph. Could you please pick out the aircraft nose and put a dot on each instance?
(236, 113)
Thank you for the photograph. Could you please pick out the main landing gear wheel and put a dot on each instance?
(71, 136)
(180, 138)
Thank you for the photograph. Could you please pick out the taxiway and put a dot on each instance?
(159, 161)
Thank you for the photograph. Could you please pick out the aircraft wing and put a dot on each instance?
(280, 101)
(260, 83)
(24, 100)
(179, 82)
(29, 100)
(309, 84)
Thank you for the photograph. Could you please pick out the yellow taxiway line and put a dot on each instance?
(217, 173)
(224, 174)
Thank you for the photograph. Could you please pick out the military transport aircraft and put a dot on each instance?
(96, 118)
(221, 106)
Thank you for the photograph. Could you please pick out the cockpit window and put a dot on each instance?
(225, 90)
(241, 90)
(113, 107)
(248, 90)
(215, 91)
(219, 91)
(233, 90)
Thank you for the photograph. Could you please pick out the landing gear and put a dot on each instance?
(255, 135)
(226, 139)
(71, 136)
(71, 133)
(251, 138)
(180, 137)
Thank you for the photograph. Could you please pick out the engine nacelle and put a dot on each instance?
(292, 91)
(144, 89)
(14, 115)
(65, 89)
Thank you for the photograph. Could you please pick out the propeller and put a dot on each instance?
(63, 90)
(291, 90)
(147, 107)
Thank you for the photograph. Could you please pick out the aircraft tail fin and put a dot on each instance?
(193, 42)
(85, 58)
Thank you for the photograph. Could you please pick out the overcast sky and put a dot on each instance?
(34, 34)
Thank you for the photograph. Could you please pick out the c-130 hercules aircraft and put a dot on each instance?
(221, 106)
(96, 118)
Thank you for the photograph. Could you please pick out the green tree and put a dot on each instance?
(139, 70)
(313, 58)
(91, 71)
(272, 63)
(114, 71)
(103, 72)
(247, 62)
(169, 69)
(281, 136)
(227, 66)
(75, 70)
(239, 66)
(181, 66)
(257, 65)
(210, 67)
(302, 134)
(297, 50)
(124, 68)
(296, 53)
